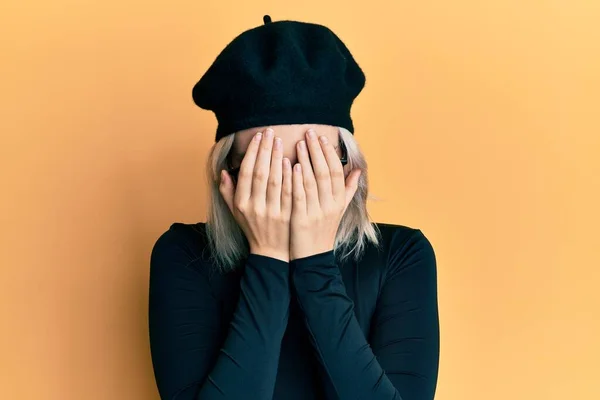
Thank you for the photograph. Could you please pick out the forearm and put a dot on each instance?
(334, 331)
(246, 366)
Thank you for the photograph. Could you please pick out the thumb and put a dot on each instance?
(226, 189)
(352, 185)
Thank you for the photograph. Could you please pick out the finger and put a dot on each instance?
(244, 180)
(298, 193)
(286, 188)
(336, 170)
(275, 178)
(313, 205)
(319, 167)
(262, 167)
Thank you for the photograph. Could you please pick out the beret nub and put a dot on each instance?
(283, 72)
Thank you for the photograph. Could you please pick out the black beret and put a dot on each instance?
(284, 72)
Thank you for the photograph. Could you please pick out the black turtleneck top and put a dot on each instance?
(313, 328)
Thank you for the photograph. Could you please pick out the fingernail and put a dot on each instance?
(269, 133)
(324, 139)
(311, 133)
(258, 136)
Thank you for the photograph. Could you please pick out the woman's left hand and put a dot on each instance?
(320, 197)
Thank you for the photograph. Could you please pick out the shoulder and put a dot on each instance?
(406, 247)
(181, 243)
(396, 236)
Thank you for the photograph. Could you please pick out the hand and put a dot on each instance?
(261, 202)
(319, 198)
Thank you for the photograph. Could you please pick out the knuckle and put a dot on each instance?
(322, 175)
(301, 224)
(286, 215)
(244, 174)
(260, 174)
(297, 196)
(272, 214)
(258, 210)
(274, 182)
(240, 207)
(337, 171)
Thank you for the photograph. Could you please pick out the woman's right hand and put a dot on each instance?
(261, 202)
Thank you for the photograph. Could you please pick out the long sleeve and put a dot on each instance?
(400, 361)
(195, 355)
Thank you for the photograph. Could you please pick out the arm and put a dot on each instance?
(401, 361)
(194, 355)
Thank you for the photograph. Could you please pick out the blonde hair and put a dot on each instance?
(227, 243)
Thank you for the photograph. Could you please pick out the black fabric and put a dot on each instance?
(314, 328)
(280, 73)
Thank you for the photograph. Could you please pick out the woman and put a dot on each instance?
(264, 301)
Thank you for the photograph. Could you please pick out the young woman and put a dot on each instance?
(289, 291)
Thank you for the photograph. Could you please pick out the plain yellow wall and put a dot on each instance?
(479, 119)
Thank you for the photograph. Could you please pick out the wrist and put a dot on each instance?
(280, 255)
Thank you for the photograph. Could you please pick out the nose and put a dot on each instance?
(293, 159)
(289, 152)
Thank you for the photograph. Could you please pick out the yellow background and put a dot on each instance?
(479, 119)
